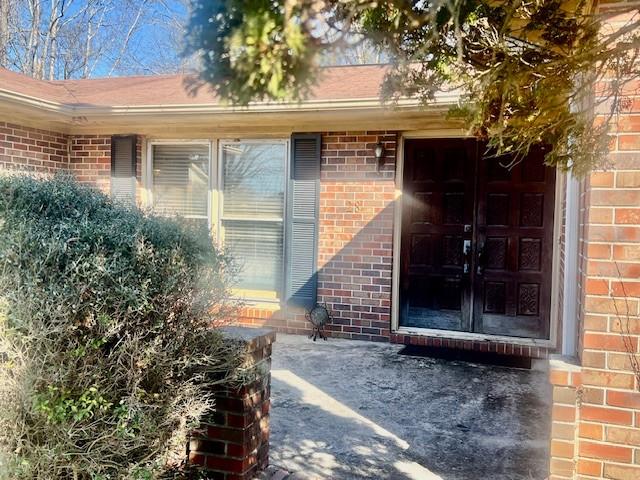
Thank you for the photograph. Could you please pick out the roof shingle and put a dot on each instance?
(335, 83)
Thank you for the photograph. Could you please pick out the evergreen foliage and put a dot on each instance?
(527, 71)
(108, 355)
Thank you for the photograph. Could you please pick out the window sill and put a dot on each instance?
(258, 298)
(262, 305)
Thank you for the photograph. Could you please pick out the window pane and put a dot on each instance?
(253, 180)
(257, 247)
(181, 179)
(253, 186)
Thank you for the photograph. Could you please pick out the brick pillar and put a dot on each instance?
(233, 441)
(607, 417)
(608, 444)
(565, 379)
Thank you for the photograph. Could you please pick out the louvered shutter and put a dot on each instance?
(302, 231)
(123, 168)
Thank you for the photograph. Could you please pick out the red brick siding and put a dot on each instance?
(87, 157)
(284, 319)
(356, 233)
(607, 408)
(32, 150)
(609, 414)
(233, 440)
(565, 380)
(90, 161)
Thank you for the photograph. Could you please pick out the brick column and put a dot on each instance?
(565, 378)
(233, 441)
(607, 414)
(609, 428)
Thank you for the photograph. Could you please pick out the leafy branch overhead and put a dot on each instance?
(527, 71)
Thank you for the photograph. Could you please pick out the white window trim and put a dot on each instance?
(215, 197)
(571, 254)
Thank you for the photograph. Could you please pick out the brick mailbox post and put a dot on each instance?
(233, 442)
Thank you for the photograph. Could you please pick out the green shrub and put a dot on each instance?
(108, 358)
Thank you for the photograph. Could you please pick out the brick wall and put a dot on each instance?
(87, 157)
(32, 150)
(565, 378)
(609, 410)
(607, 406)
(283, 318)
(233, 442)
(608, 443)
(356, 233)
(90, 161)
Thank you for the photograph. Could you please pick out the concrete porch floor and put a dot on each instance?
(349, 410)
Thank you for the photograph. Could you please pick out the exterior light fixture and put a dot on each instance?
(379, 153)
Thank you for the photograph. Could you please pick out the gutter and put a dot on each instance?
(70, 112)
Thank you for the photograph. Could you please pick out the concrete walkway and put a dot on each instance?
(350, 410)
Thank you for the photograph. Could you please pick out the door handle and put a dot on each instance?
(482, 258)
(466, 255)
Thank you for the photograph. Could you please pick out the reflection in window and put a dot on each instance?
(181, 179)
(253, 186)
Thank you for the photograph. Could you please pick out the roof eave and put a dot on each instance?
(72, 112)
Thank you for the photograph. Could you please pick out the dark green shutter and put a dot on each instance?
(123, 168)
(302, 228)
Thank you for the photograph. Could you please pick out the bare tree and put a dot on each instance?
(35, 13)
(127, 38)
(57, 39)
(5, 9)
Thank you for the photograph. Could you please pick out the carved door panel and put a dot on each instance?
(438, 199)
(514, 246)
(477, 240)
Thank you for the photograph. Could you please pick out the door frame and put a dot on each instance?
(556, 281)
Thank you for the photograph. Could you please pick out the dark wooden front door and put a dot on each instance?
(477, 240)
(437, 233)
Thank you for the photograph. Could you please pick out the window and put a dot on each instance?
(181, 179)
(252, 212)
(249, 194)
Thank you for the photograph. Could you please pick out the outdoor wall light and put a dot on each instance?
(379, 153)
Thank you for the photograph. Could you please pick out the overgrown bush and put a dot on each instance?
(107, 358)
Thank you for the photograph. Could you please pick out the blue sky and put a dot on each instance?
(154, 29)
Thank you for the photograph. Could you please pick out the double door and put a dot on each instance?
(476, 240)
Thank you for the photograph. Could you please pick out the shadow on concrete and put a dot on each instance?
(352, 410)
